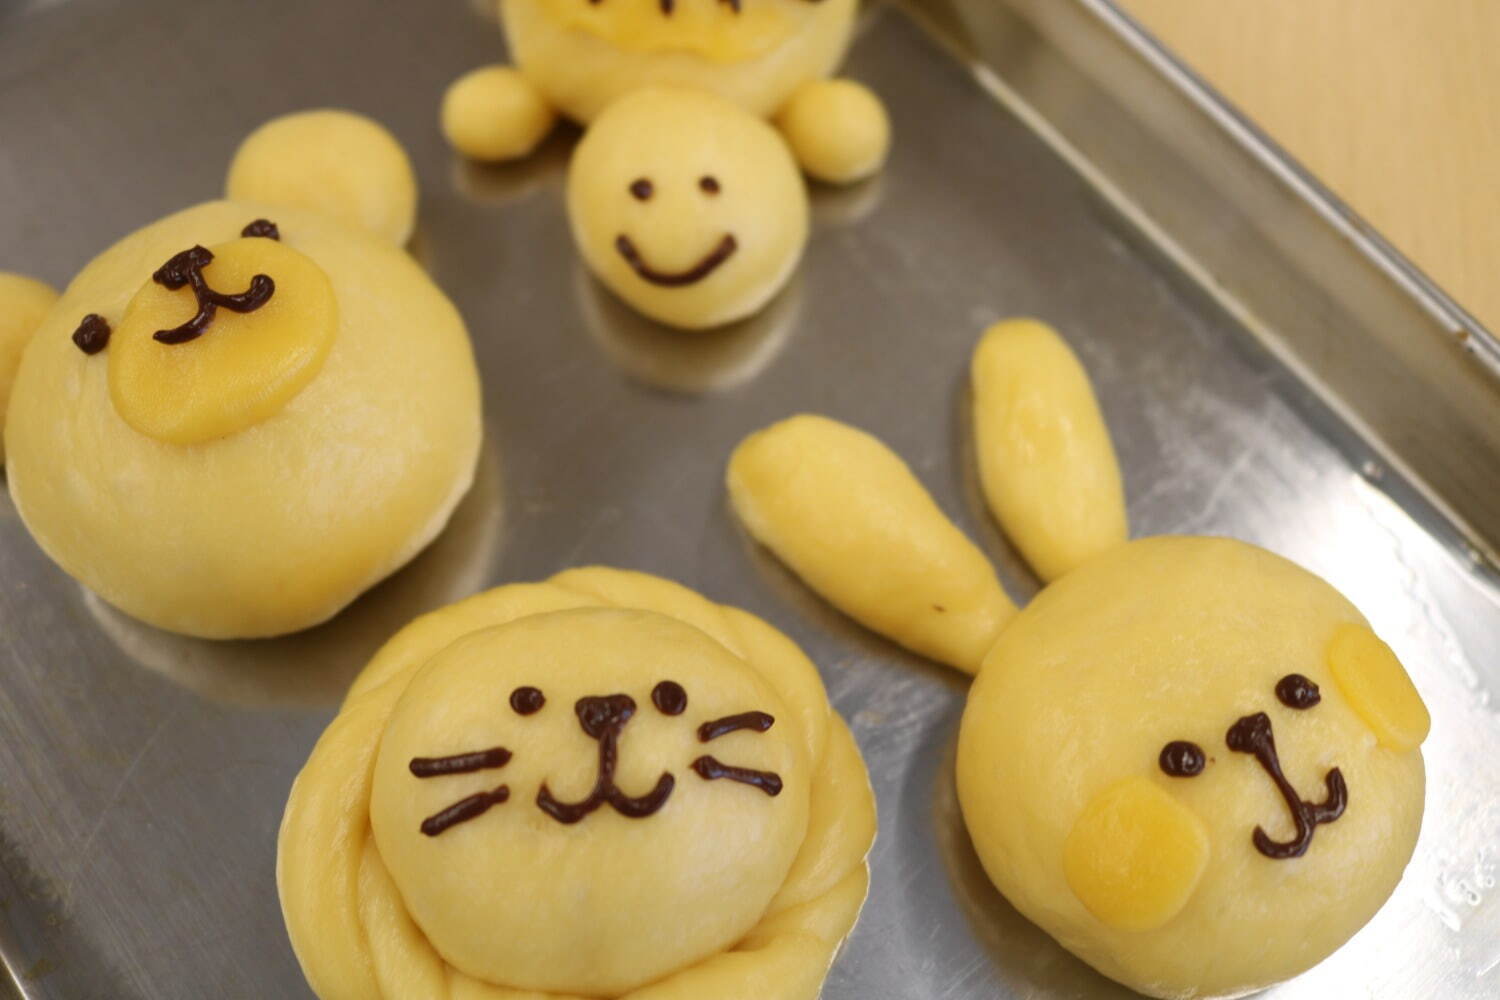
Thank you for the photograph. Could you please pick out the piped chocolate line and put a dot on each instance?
(711, 769)
(462, 763)
(1253, 735)
(708, 265)
(602, 719)
(755, 721)
(464, 810)
(186, 268)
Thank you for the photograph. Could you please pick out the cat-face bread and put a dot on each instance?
(598, 786)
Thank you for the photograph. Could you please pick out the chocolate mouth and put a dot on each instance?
(603, 719)
(1253, 735)
(708, 265)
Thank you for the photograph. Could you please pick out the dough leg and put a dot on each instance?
(495, 113)
(838, 130)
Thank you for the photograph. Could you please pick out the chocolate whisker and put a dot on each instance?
(461, 763)
(755, 721)
(464, 810)
(710, 769)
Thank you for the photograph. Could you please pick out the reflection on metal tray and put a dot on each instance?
(1244, 357)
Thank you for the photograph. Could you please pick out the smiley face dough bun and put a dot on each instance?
(689, 209)
(583, 56)
(1142, 662)
(599, 786)
(253, 478)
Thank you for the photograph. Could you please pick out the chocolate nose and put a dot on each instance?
(601, 714)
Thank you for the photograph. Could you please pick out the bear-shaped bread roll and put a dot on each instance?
(242, 416)
(599, 786)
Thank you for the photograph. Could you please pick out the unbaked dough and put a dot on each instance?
(844, 511)
(838, 130)
(598, 786)
(24, 303)
(686, 207)
(1046, 461)
(757, 54)
(495, 113)
(1161, 647)
(253, 479)
(339, 163)
(1191, 762)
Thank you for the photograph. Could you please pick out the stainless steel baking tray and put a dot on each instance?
(1271, 370)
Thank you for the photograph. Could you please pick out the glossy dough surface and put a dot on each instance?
(276, 527)
(724, 891)
(849, 517)
(24, 303)
(584, 56)
(688, 208)
(1155, 880)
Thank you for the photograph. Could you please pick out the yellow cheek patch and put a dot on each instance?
(243, 368)
(1135, 856)
(1378, 688)
(713, 29)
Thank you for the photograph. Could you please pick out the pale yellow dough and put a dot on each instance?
(724, 892)
(494, 113)
(1045, 458)
(24, 303)
(336, 162)
(585, 56)
(838, 130)
(844, 512)
(304, 501)
(708, 196)
(1154, 880)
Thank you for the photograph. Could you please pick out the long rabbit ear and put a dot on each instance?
(1045, 458)
(844, 512)
(1135, 856)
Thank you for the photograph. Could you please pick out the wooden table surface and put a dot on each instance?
(1395, 104)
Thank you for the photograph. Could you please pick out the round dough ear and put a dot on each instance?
(1378, 688)
(1135, 856)
(24, 303)
(838, 130)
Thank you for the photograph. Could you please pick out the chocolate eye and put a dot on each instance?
(642, 189)
(527, 700)
(1182, 759)
(710, 184)
(1296, 691)
(669, 698)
